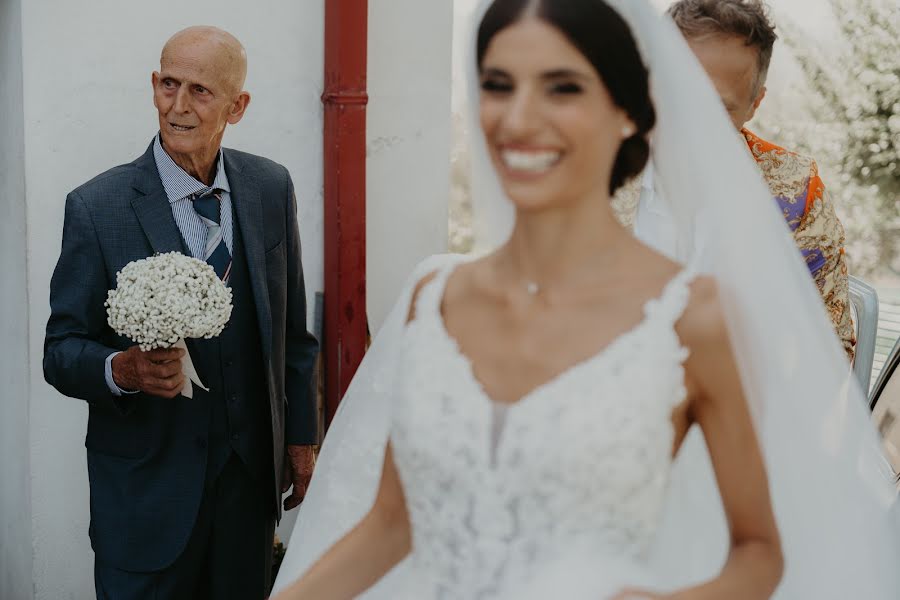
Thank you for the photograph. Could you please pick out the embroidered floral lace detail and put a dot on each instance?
(580, 462)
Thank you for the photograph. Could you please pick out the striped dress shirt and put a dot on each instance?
(180, 187)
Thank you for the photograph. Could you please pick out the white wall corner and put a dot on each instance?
(16, 549)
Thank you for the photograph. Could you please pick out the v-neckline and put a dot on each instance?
(538, 390)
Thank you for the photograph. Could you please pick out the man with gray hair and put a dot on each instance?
(185, 492)
(734, 40)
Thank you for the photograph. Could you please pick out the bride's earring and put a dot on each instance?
(627, 131)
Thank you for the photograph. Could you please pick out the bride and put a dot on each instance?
(540, 402)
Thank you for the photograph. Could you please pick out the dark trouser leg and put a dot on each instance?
(185, 578)
(240, 548)
(114, 584)
(228, 556)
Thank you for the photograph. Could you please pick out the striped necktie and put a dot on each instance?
(208, 207)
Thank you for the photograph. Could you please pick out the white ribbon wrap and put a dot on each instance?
(190, 373)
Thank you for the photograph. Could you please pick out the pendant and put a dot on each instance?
(532, 288)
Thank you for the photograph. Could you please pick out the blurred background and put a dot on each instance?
(833, 94)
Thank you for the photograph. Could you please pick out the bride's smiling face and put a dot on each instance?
(551, 127)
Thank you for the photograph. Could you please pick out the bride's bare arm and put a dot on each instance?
(366, 553)
(371, 549)
(754, 566)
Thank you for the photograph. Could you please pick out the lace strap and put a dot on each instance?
(674, 299)
(428, 302)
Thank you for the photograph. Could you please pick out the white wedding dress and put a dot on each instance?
(574, 473)
(572, 492)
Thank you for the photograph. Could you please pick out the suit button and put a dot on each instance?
(229, 363)
(234, 437)
(233, 398)
(201, 442)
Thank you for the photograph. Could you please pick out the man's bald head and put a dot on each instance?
(198, 91)
(216, 47)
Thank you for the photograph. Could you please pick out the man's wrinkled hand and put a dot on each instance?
(298, 470)
(157, 372)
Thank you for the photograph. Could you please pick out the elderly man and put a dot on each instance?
(185, 492)
(734, 39)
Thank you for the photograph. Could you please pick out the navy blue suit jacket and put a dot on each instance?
(146, 479)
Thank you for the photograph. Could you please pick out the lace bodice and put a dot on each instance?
(579, 464)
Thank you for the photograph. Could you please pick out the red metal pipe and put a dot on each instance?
(345, 99)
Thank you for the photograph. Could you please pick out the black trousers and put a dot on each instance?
(228, 556)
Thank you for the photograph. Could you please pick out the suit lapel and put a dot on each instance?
(153, 209)
(245, 197)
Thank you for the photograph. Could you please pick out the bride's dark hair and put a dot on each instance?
(605, 39)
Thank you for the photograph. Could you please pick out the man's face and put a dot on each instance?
(733, 68)
(196, 96)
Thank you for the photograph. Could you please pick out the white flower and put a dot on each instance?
(168, 297)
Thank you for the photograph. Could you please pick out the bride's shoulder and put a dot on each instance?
(433, 265)
(703, 327)
(417, 292)
(462, 279)
(426, 272)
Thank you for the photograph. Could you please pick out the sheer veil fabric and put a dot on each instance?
(832, 489)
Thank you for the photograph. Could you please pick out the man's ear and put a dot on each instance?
(154, 81)
(238, 108)
(755, 106)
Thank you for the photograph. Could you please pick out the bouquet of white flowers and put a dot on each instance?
(161, 300)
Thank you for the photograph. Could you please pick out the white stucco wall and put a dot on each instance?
(88, 107)
(409, 137)
(15, 489)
